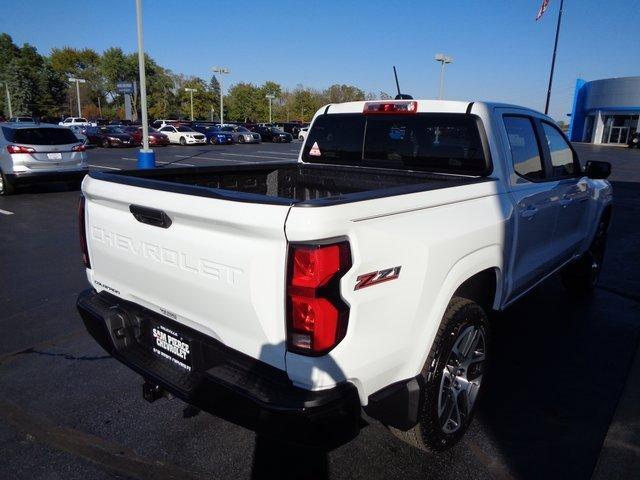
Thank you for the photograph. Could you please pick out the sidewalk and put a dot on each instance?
(620, 454)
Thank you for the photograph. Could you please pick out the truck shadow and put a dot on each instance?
(559, 365)
(295, 448)
(287, 445)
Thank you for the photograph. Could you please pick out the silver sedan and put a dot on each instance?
(242, 134)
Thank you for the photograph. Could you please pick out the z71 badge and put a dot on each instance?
(374, 278)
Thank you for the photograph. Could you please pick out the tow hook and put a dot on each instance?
(152, 392)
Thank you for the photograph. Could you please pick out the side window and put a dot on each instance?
(561, 154)
(525, 152)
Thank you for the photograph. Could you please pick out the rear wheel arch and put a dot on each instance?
(482, 288)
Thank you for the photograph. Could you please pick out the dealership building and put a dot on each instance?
(605, 111)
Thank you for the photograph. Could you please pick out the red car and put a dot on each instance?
(155, 137)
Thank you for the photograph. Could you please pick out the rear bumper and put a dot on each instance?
(118, 325)
(32, 178)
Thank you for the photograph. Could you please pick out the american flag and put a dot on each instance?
(543, 8)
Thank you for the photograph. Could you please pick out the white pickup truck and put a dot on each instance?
(364, 275)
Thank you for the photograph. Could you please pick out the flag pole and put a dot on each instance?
(553, 60)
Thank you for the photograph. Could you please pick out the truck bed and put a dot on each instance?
(286, 183)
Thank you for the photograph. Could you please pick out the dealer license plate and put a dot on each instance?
(171, 346)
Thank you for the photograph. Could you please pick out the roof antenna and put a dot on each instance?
(400, 96)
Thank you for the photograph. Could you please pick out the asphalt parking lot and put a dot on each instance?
(67, 410)
(196, 155)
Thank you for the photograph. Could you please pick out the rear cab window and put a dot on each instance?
(434, 142)
(40, 136)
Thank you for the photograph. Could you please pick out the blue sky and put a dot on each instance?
(500, 53)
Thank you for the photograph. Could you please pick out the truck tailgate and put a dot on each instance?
(219, 267)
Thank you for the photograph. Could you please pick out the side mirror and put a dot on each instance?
(597, 170)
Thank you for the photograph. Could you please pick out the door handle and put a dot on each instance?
(150, 216)
(529, 212)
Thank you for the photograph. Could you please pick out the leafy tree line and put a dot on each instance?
(39, 86)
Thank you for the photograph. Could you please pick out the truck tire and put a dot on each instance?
(6, 188)
(452, 378)
(581, 276)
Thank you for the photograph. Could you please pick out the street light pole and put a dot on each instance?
(270, 96)
(146, 156)
(78, 81)
(6, 88)
(443, 59)
(221, 71)
(191, 91)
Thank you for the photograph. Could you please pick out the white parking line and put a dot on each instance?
(104, 166)
(232, 160)
(165, 163)
(253, 156)
(5, 212)
(277, 153)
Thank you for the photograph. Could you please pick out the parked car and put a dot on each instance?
(22, 120)
(67, 122)
(94, 135)
(302, 134)
(39, 153)
(292, 127)
(273, 134)
(125, 123)
(214, 135)
(241, 134)
(114, 136)
(79, 132)
(361, 277)
(156, 138)
(634, 140)
(183, 135)
(157, 124)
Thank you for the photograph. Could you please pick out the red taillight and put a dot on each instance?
(79, 148)
(316, 314)
(83, 232)
(19, 149)
(391, 107)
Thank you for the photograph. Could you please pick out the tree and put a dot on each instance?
(161, 99)
(214, 88)
(262, 103)
(343, 93)
(203, 99)
(241, 102)
(8, 52)
(305, 102)
(86, 64)
(36, 89)
(115, 68)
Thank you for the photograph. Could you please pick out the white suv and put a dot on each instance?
(69, 121)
